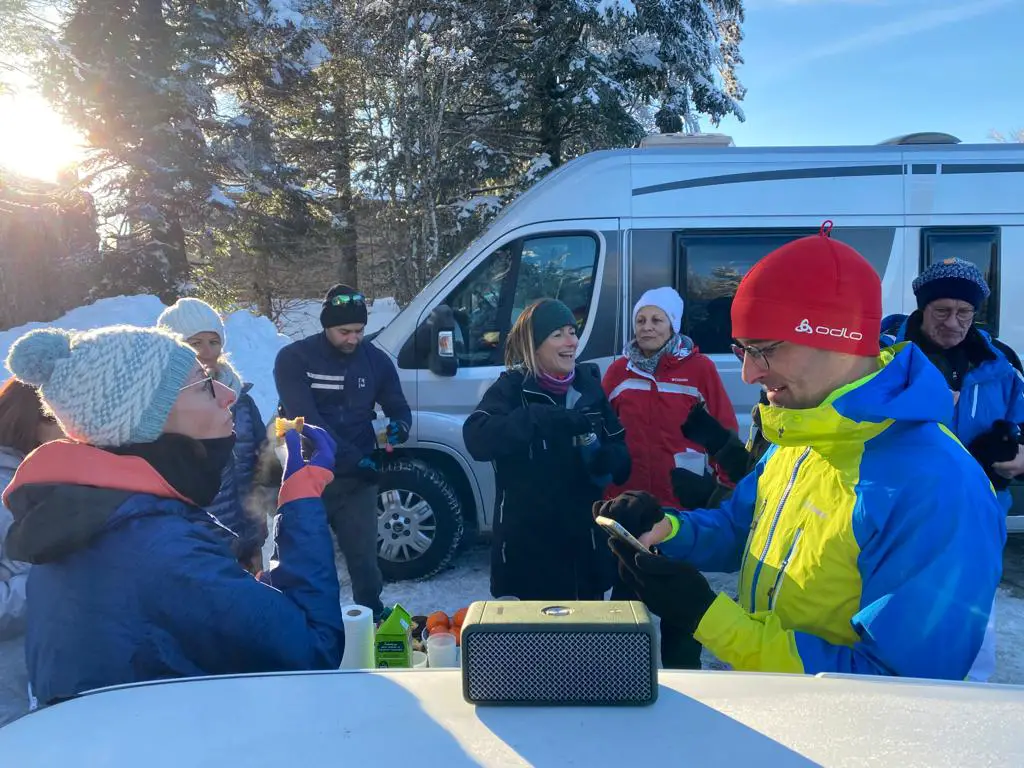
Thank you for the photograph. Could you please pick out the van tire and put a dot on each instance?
(405, 484)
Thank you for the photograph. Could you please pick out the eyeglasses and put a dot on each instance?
(346, 298)
(206, 384)
(963, 316)
(760, 354)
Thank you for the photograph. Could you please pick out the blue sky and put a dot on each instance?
(861, 71)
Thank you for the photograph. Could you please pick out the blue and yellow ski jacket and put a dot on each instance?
(867, 539)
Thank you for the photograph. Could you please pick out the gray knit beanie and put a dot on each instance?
(108, 387)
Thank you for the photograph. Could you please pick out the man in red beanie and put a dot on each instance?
(867, 539)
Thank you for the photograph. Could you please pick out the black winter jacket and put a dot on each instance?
(546, 545)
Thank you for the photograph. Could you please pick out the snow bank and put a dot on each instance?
(252, 342)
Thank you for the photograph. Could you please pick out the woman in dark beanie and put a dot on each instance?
(131, 581)
(556, 445)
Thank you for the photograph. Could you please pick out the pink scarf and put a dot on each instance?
(554, 384)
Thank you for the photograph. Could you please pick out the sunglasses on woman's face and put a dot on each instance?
(206, 384)
(346, 298)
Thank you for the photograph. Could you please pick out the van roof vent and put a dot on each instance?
(686, 140)
(924, 137)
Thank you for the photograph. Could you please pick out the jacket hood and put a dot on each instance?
(906, 389)
(64, 493)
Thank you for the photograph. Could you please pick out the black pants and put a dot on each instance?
(352, 512)
(679, 649)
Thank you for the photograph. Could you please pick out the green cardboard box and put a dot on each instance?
(392, 645)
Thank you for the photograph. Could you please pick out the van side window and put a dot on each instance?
(710, 265)
(476, 304)
(560, 267)
(488, 302)
(979, 245)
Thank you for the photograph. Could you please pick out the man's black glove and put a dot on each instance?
(691, 490)
(705, 430)
(674, 590)
(733, 458)
(999, 443)
(636, 511)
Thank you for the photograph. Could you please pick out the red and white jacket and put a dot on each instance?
(653, 408)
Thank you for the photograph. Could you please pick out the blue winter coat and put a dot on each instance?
(229, 504)
(992, 389)
(130, 583)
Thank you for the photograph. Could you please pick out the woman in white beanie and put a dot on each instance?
(653, 388)
(200, 325)
(131, 580)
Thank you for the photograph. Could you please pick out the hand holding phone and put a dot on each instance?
(618, 531)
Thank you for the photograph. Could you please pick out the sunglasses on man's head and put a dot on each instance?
(346, 298)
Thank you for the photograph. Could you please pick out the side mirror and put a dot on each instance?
(441, 359)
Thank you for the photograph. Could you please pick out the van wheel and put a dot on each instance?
(419, 521)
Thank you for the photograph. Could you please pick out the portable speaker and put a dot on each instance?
(558, 654)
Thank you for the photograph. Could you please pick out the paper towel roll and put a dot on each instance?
(359, 631)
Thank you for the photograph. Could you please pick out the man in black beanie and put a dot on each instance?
(334, 381)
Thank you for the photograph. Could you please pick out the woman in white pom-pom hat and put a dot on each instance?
(200, 325)
(132, 580)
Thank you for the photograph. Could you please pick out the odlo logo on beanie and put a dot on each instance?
(822, 330)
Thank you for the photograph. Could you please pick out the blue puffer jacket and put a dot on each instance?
(992, 389)
(229, 505)
(130, 583)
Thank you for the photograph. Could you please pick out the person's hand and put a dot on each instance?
(304, 478)
(998, 451)
(398, 432)
(562, 421)
(691, 490)
(661, 531)
(636, 511)
(704, 429)
(674, 590)
(322, 455)
(1010, 469)
(366, 470)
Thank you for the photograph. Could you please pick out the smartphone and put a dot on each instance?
(615, 529)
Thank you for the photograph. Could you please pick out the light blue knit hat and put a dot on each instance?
(108, 387)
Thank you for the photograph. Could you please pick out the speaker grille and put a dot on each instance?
(554, 667)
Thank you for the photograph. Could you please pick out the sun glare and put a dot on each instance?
(34, 141)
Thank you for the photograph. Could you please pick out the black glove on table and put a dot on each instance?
(674, 590)
(636, 511)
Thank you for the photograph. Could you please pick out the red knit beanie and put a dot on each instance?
(814, 291)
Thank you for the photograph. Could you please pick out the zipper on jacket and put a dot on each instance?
(750, 535)
(773, 593)
(775, 522)
(503, 553)
(501, 510)
(974, 402)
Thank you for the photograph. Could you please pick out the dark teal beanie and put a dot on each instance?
(548, 317)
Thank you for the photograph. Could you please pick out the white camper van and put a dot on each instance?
(695, 213)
